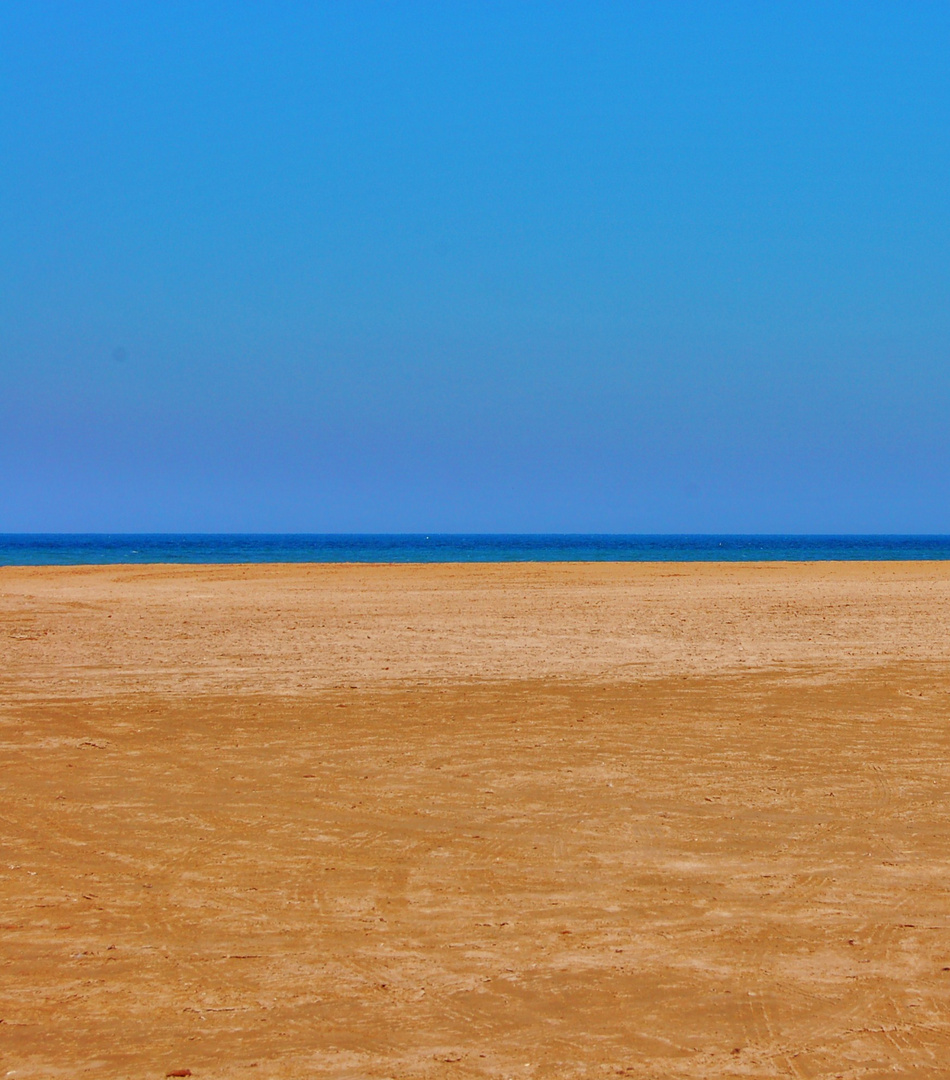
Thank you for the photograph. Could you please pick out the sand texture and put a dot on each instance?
(564, 820)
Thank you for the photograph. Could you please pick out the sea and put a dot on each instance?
(78, 549)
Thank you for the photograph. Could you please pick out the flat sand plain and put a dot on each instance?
(563, 820)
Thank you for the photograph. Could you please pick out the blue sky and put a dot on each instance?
(638, 267)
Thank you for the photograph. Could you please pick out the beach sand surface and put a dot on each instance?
(482, 820)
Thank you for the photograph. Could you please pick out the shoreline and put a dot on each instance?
(286, 627)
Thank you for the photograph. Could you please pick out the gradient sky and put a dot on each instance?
(618, 267)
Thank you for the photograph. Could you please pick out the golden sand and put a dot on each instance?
(563, 820)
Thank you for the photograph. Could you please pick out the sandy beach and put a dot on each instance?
(510, 820)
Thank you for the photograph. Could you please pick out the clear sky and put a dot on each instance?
(618, 267)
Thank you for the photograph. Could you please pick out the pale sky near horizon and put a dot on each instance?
(384, 267)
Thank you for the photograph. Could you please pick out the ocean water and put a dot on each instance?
(72, 549)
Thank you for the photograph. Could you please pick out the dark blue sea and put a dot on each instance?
(24, 549)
